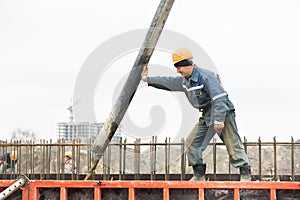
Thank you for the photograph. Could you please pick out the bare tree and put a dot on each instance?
(23, 135)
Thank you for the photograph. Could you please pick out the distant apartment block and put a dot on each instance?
(83, 130)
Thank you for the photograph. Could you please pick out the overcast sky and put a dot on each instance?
(254, 45)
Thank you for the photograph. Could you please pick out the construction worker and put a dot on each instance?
(68, 162)
(8, 161)
(204, 91)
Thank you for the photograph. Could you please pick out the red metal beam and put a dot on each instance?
(157, 184)
(97, 193)
(32, 190)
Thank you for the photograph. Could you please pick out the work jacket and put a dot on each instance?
(203, 90)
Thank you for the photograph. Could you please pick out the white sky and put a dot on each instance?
(255, 46)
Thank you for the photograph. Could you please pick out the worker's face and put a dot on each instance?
(185, 71)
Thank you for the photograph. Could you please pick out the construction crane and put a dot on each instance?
(71, 108)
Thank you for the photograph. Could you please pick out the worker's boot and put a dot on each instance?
(245, 173)
(199, 172)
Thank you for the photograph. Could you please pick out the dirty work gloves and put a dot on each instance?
(144, 74)
(218, 126)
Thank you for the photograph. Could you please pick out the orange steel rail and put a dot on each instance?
(31, 192)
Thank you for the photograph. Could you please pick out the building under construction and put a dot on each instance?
(84, 130)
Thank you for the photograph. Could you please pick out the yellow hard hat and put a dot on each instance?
(181, 54)
(68, 154)
(14, 155)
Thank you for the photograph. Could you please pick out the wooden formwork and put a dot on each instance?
(132, 188)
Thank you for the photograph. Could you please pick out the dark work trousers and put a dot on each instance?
(229, 136)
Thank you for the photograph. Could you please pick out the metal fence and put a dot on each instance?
(151, 160)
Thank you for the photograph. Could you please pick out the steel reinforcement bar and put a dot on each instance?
(132, 188)
(269, 160)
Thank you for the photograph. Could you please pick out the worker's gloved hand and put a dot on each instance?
(144, 74)
(218, 126)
